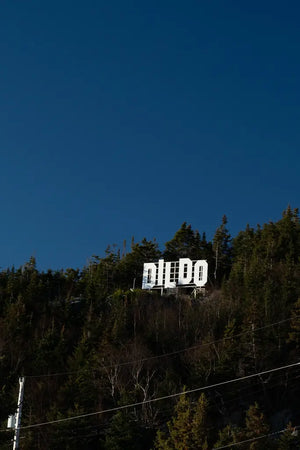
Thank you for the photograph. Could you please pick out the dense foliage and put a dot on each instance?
(91, 340)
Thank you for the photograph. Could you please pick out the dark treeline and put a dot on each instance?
(92, 340)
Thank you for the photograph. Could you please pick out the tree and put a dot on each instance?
(256, 427)
(288, 244)
(123, 433)
(294, 335)
(102, 275)
(199, 429)
(289, 440)
(179, 428)
(131, 265)
(228, 435)
(181, 245)
(188, 428)
(242, 247)
(222, 251)
(187, 243)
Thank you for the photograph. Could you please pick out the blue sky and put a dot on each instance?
(127, 118)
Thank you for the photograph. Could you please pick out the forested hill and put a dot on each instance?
(87, 342)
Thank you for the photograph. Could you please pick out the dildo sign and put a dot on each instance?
(184, 273)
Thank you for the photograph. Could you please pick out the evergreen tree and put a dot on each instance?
(199, 429)
(228, 435)
(290, 439)
(131, 266)
(179, 435)
(123, 433)
(222, 251)
(256, 427)
(294, 335)
(188, 428)
(187, 243)
(181, 245)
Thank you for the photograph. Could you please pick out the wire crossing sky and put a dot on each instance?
(123, 119)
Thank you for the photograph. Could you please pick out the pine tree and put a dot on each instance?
(294, 335)
(131, 265)
(228, 435)
(290, 439)
(188, 429)
(256, 427)
(183, 244)
(123, 433)
(199, 429)
(179, 428)
(222, 251)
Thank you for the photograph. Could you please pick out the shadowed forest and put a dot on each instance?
(89, 341)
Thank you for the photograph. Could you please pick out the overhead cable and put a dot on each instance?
(253, 439)
(165, 397)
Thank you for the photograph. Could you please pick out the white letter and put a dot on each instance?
(160, 272)
(185, 277)
(200, 273)
(149, 276)
(168, 283)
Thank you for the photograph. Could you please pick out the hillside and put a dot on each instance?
(90, 341)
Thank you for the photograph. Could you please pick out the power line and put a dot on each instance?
(253, 439)
(165, 397)
(165, 355)
(252, 390)
(84, 427)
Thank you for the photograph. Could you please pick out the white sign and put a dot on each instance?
(175, 273)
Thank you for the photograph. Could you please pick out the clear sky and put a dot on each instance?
(127, 118)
